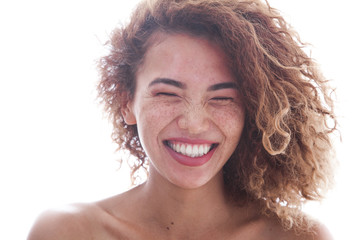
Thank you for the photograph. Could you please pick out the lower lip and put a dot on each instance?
(191, 161)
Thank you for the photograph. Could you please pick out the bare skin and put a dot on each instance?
(199, 107)
(137, 214)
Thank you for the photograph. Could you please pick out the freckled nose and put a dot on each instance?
(194, 120)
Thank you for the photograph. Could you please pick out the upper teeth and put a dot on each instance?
(190, 150)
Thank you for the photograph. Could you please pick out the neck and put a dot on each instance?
(187, 210)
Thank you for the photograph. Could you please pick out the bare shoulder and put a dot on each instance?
(68, 222)
(318, 232)
(321, 232)
(122, 216)
(112, 218)
(271, 228)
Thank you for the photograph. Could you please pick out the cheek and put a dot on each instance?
(230, 120)
(154, 116)
(152, 119)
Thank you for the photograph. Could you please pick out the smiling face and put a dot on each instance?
(187, 110)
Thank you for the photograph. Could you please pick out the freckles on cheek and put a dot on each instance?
(231, 120)
(155, 114)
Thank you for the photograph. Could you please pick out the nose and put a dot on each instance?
(194, 119)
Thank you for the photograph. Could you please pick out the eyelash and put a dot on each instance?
(218, 99)
(222, 99)
(166, 94)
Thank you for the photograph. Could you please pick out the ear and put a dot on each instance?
(128, 114)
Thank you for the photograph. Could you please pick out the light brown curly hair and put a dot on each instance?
(284, 156)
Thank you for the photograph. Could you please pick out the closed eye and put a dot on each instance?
(166, 94)
(222, 99)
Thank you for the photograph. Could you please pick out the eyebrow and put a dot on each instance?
(181, 85)
(224, 85)
(168, 81)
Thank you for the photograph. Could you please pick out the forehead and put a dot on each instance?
(184, 53)
(183, 43)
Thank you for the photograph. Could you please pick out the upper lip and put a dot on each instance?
(191, 141)
(170, 143)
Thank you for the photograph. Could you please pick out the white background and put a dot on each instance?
(55, 145)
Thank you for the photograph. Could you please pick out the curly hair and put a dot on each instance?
(284, 156)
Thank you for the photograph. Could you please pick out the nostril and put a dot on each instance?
(193, 127)
(182, 123)
(194, 120)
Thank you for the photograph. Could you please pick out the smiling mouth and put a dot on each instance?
(190, 150)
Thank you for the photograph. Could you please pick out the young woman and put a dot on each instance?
(226, 113)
